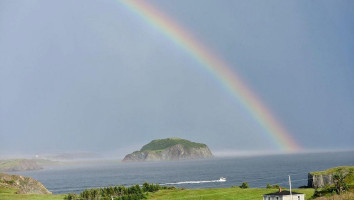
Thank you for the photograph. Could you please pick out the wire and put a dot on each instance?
(268, 178)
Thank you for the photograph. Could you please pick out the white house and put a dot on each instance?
(284, 195)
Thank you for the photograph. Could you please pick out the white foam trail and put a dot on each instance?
(194, 182)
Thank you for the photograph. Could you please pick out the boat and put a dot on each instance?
(222, 179)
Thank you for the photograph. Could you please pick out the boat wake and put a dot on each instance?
(197, 182)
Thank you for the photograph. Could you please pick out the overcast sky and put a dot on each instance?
(89, 75)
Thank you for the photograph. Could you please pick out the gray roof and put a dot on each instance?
(283, 193)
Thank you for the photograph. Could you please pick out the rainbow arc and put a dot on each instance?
(218, 68)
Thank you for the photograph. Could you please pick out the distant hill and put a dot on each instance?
(75, 156)
(170, 149)
(13, 165)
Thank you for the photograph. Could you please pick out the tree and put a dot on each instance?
(146, 187)
(276, 186)
(339, 182)
(269, 186)
(244, 185)
(71, 197)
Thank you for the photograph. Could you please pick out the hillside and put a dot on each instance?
(169, 142)
(75, 156)
(22, 185)
(13, 165)
(10, 194)
(170, 149)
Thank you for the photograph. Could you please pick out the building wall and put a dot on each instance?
(295, 197)
(271, 197)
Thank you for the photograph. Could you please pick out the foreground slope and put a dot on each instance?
(22, 184)
(7, 194)
(170, 149)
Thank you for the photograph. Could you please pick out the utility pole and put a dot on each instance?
(291, 195)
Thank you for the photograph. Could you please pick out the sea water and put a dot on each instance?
(257, 171)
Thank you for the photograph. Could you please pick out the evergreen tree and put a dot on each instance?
(244, 185)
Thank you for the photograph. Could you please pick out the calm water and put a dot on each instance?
(258, 171)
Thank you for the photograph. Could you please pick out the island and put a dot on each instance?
(170, 149)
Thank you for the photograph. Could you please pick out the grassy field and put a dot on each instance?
(205, 194)
(334, 170)
(9, 194)
(219, 193)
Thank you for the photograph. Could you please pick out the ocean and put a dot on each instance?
(256, 170)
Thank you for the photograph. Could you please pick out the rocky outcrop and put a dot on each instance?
(175, 152)
(322, 178)
(24, 185)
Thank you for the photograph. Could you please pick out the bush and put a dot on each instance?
(151, 187)
(339, 182)
(71, 197)
(327, 190)
(269, 186)
(244, 185)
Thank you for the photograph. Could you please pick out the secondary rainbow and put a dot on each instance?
(217, 67)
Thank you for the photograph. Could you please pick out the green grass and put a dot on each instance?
(165, 143)
(188, 194)
(7, 194)
(334, 170)
(219, 193)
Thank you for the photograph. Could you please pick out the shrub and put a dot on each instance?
(244, 185)
(339, 182)
(71, 197)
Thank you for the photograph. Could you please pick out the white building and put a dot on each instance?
(284, 195)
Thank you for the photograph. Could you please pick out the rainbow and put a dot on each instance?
(217, 67)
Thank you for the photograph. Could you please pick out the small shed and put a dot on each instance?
(284, 195)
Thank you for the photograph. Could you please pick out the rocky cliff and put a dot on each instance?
(321, 178)
(170, 149)
(24, 185)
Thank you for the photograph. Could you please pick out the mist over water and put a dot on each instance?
(257, 171)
